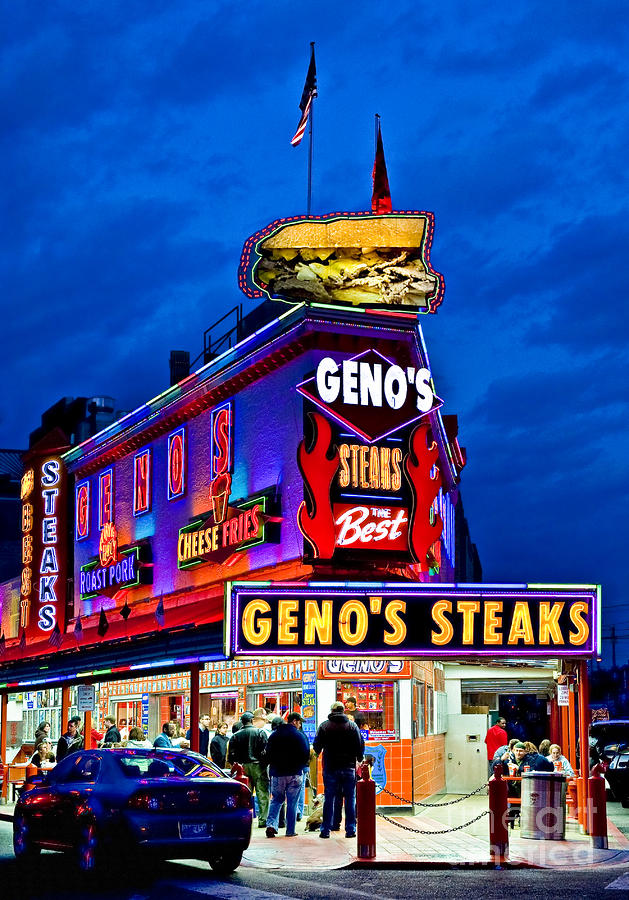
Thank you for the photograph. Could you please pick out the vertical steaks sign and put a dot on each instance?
(44, 523)
(374, 491)
(412, 620)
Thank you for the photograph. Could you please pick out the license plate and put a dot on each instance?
(194, 829)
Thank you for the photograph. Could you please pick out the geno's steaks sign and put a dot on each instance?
(431, 620)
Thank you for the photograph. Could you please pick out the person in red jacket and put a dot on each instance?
(496, 737)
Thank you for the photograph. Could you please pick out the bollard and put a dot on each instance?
(498, 805)
(365, 814)
(597, 809)
(3, 782)
(238, 774)
(31, 771)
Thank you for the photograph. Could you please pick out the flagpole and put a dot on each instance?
(309, 200)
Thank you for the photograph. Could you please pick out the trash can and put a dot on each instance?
(543, 809)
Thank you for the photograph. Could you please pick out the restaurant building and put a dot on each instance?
(281, 528)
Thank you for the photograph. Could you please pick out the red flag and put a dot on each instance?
(381, 197)
(308, 95)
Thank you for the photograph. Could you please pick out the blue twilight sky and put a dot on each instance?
(143, 141)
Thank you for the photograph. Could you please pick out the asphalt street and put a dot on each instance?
(53, 877)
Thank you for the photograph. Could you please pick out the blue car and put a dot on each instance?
(173, 804)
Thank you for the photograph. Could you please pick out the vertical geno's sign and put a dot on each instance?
(43, 583)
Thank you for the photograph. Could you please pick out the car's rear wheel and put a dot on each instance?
(227, 862)
(23, 845)
(625, 802)
(87, 851)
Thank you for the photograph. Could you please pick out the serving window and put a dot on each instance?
(374, 707)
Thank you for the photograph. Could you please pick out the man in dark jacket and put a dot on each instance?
(248, 747)
(287, 752)
(218, 746)
(70, 742)
(112, 735)
(342, 745)
(204, 735)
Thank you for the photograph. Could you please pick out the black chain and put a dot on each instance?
(443, 831)
(445, 803)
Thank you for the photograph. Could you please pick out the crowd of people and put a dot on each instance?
(523, 756)
(518, 757)
(274, 752)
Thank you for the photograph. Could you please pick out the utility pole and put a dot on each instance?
(613, 640)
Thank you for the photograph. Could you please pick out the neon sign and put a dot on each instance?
(243, 525)
(43, 547)
(342, 515)
(177, 464)
(142, 482)
(371, 395)
(410, 620)
(82, 511)
(105, 497)
(115, 568)
(357, 260)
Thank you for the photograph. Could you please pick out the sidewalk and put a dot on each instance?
(398, 847)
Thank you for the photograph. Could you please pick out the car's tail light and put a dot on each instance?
(147, 802)
(239, 800)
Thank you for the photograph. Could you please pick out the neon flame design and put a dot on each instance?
(419, 463)
(318, 469)
(108, 545)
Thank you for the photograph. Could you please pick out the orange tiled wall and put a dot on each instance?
(429, 767)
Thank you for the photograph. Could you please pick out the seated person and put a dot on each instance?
(559, 762)
(43, 756)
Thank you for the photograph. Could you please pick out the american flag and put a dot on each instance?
(103, 624)
(308, 95)
(159, 613)
(56, 637)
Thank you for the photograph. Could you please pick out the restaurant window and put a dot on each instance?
(419, 722)
(372, 705)
(430, 711)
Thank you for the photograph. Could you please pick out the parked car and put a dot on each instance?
(609, 741)
(171, 803)
(607, 737)
(617, 775)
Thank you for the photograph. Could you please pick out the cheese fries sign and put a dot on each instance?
(412, 620)
(355, 260)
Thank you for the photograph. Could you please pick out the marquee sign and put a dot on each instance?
(412, 620)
